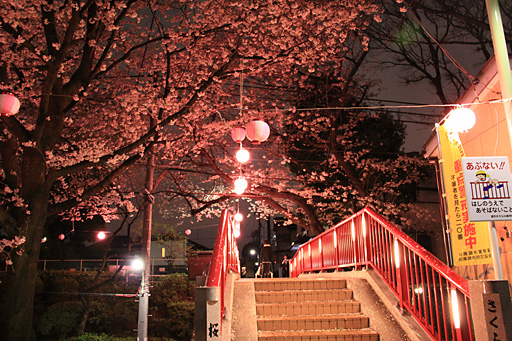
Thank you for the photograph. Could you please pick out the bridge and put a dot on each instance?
(362, 279)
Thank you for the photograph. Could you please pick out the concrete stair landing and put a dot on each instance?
(309, 309)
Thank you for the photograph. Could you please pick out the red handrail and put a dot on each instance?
(224, 258)
(424, 286)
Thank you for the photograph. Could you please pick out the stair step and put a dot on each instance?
(320, 335)
(303, 295)
(299, 308)
(347, 321)
(299, 284)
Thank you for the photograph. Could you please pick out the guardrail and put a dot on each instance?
(428, 289)
(211, 304)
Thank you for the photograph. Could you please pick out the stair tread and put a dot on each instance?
(311, 317)
(366, 331)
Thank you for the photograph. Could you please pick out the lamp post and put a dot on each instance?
(142, 326)
(503, 64)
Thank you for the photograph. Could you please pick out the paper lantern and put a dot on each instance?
(242, 155)
(9, 105)
(240, 185)
(257, 131)
(239, 217)
(101, 235)
(188, 232)
(460, 120)
(238, 134)
(236, 229)
(62, 236)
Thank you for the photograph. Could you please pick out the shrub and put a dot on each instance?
(60, 320)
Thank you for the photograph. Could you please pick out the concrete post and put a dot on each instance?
(491, 310)
(207, 321)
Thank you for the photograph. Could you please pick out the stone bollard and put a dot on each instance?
(491, 310)
(207, 322)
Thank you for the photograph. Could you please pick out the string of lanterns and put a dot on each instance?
(257, 131)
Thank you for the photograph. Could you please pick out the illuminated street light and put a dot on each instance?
(137, 264)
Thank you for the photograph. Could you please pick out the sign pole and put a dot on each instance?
(495, 249)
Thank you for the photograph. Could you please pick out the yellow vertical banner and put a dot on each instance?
(469, 240)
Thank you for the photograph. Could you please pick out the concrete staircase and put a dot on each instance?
(309, 309)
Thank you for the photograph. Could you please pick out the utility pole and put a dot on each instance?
(142, 328)
(503, 64)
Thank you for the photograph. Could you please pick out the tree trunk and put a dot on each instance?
(18, 285)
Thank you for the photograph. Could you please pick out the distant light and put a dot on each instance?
(188, 232)
(43, 240)
(239, 217)
(460, 120)
(242, 155)
(101, 235)
(252, 252)
(137, 264)
(62, 236)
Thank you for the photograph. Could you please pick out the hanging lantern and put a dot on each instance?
(9, 105)
(188, 232)
(62, 236)
(236, 229)
(460, 120)
(238, 134)
(240, 185)
(101, 235)
(257, 131)
(239, 217)
(242, 155)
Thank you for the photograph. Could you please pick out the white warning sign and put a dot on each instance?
(487, 181)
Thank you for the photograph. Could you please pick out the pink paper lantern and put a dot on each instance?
(9, 105)
(238, 134)
(258, 131)
(188, 232)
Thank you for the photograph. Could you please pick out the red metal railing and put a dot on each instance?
(224, 258)
(434, 294)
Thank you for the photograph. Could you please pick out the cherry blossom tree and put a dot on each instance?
(102, 82)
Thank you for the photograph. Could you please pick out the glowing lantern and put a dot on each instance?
(242, 155)
(9, 105)
(240, 185)
(62, 236)
(238, 134)
(239, 217)
(188, 232)
(257, 131)
(101, 235)
(460, 120)
(236, 229)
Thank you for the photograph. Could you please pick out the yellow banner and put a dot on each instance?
(469, 240)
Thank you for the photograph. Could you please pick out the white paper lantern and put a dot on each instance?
(9, 105)
(460, 120)
(257, 131)
(240, 185)
(242, 155)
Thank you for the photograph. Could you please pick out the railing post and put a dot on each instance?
(401, 275)
(207, 318)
